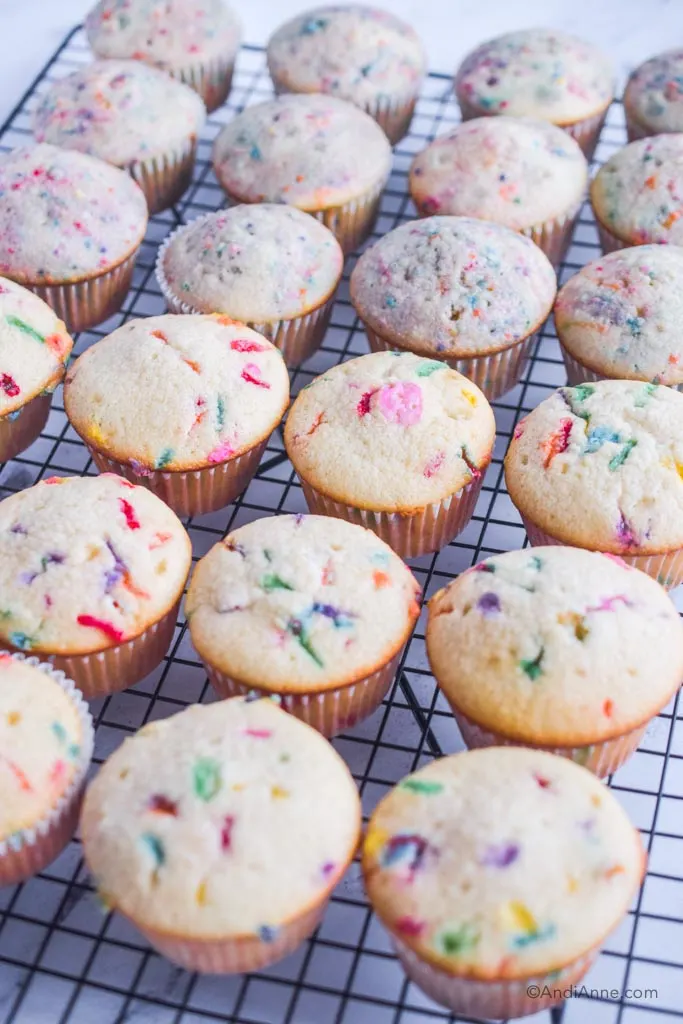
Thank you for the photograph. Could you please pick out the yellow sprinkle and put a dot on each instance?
(161, 567)
(469, 396)
(596, 800)
(278, 793)
(668, 463)
(679, 469)
(201, 894)
(572, 883)
(97, 435)
(238, 787)
(516, 917)
(375, 840)
(13, 718)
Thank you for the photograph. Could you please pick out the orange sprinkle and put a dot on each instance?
(672, 218)
(608, 708)
(651, 181)
(380, 579)
(618, 869)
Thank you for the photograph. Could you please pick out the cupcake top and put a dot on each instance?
(297, 602)
(34, 347)
(65, 216)
(513, 171)
(601, 466)
(308, 151)
(621, 315)
(358, 53)
(454, 286)
(539, 73)
(43, 742)
(172, 35)
(501, 863)
(654, 93)
(257, 262)
(424, 430)
(87, 563)
(224, 821)
(638, 193)
(120, 111)
(177, 393)
(556, 645)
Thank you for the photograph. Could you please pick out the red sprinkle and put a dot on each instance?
(435, 464)
(9, 385)
(557, 443)
(159, 539)
(91, 622)
(409, 926)
(542, 781)
(132, 521)
(245, 345)
(226, 832)
(160, 804)
(363, 407)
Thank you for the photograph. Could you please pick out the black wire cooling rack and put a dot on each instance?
(62, 959)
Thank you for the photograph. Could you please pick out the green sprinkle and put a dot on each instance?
(645, 395)
(429, 367)
(422, 787)
(268, 555)
(220, 412)
(454, 942)
(296, 628)
(583, 391)
(532, 667)
(21, 641)
(581, 630)
(274, 582)
(207, 778)
(21, 325)
(535, 563)
(155, 847)
(620, 458)
(164, 459)
(59, 731)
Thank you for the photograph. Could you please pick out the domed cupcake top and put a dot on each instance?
(120, 111)
(503, 862)
(654, 93)
(87, 563)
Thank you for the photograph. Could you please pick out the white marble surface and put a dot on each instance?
(630, 30)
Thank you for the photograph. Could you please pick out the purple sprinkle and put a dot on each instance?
(489, 604)
(328, 868)
(501, 856)
(299, 518)
(18, 528)
(117, 572)
(139, 469)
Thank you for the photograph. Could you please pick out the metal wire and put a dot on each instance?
(62, 959)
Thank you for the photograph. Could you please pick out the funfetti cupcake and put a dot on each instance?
(132, 116)
(360, 54)
(393, 442)
(269, 265)
(621, 317)
(468, 292)
(34, 348)
(600, 466)
(92, 570)
(193, 40)
(310, 609)
(46, 741)
(221, 832)
(527, 175)
(499, 874)
(653, 99)
(70, 229)
(183, 405)
(637, 196)
(318, 153)
(568, 650)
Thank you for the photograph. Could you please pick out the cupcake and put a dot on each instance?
(312, 610)
(70, 229)
(360, 54)
(499, 874)
(46, 741)
(221, 832)
(567, 650)
(540, 73)
(270, 266)
(181, 405)
(318, 153)
(92, 570)
(196, 41)
(130, 115)
(396, 443)
(653, 99)
(526, 175)
(638, 194)
(621, 317)
(464, 291)
(34, 349)
(600, 466)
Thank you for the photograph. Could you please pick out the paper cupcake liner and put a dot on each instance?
(328, 711)
(608, 241)
(17, 434)
(166, 177)
(494, 374)
(554, 236)
(634, 129)
(195, 491)
(577, 373)
(665, 567)
(30, 850)
(212, 79)
(409, 534)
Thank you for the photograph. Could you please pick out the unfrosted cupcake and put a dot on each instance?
(70, 229)
(310, 609)
(567, 650)
(465, 291)
(92, 570)
(621, 317)
(637, 196)
(34, 348)
(396, 443)
(653, 99)
(132, 116)
(193, 40)
(360, 54)
(268, 265)
(540, 73)
(221, 833)
(600, 466)
(318, 153)
(182, 405)
(499, 874)
(46, 740)
(526, 175)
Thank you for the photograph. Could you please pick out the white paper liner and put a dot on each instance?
(17, 434)
(577, 373)
(166, 177)
(608, 241)
(212, 79)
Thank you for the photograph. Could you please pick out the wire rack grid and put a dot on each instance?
(62, 959)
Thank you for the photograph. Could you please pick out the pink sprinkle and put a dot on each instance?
(435, 464)
(519, 430)
(328, 868)
(409, 926)
(258, 734)
(222, 453)
(245, 345)
(105, 627)
(401, 403)
(226, 832)
(252, 374)
(608, 604)
(132, 521)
